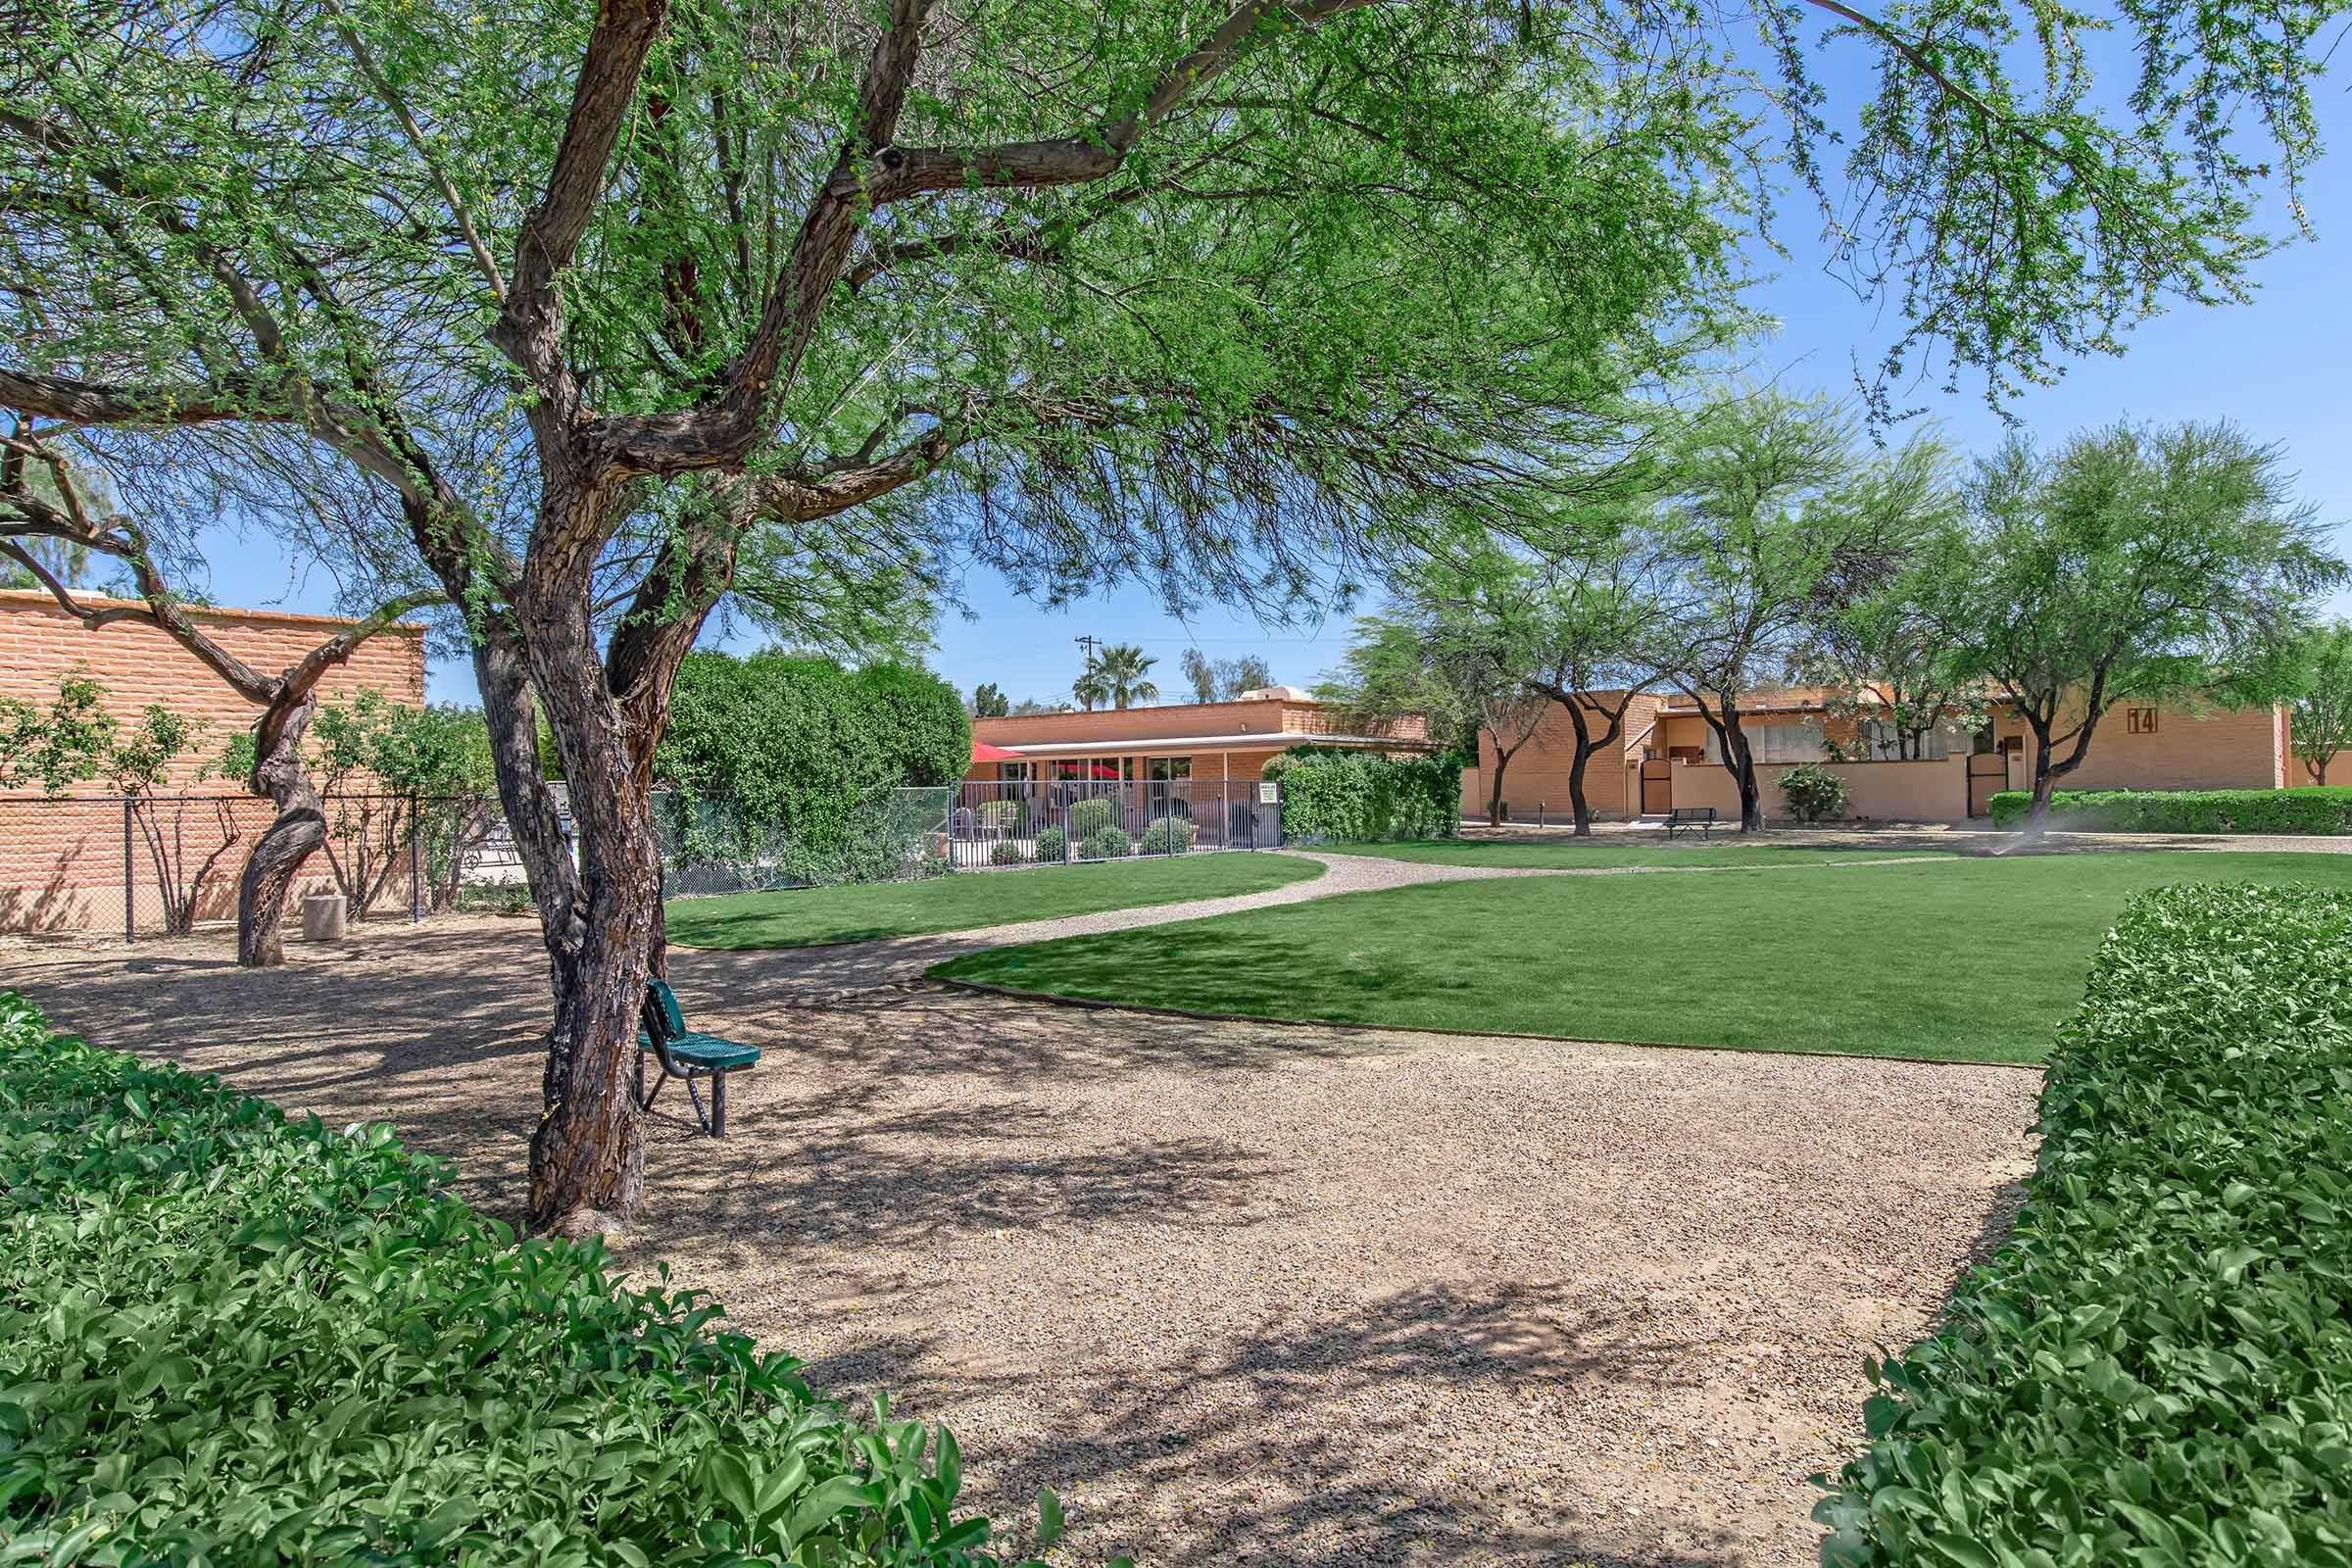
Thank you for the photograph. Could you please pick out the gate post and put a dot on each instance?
(417, 860)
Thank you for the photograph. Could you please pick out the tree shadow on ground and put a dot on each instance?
(1313, 1443)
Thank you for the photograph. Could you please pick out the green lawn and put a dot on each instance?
(1965, 958)
(1604, 856)
(968, 899)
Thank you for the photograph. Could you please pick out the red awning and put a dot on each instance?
(982, 751)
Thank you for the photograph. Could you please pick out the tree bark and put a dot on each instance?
(1740, 762)
(1502, 760)
(292, 837)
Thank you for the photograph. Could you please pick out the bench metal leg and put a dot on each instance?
(718, 1104)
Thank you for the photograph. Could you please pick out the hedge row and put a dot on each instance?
(226, 1337)
(2305, 810)
(1340, 794)
(2156, 1368)
(790, 761)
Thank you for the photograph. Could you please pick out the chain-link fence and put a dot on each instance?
(164, 866)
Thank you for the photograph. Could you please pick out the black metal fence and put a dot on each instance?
(1010, 823)
(166, 865)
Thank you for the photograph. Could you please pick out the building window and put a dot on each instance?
(2141, 721)
(1167, 768)
(1775, 743)
(1015, 772)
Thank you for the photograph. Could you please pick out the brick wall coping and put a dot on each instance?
(38, 599)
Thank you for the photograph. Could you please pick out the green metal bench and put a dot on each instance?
(684, 1054)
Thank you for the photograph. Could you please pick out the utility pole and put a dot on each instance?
(1087, 643)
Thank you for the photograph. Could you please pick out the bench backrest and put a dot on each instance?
(663, 1016)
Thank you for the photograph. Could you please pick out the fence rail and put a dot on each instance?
(1013, 822)
(164, 866)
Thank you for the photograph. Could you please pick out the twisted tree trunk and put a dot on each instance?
(297, 832)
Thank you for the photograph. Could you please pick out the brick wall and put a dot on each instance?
(141, 664)
(2189, 749)
(61, 862)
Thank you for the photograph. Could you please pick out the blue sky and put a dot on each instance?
(2277, 367)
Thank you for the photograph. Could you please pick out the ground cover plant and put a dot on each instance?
(228, 1336)
(2295, 810)
(2156, 1367)
(1957, 958)
(799, 916)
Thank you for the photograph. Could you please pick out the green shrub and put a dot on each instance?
(1105, 844)
(2156, 1367)
(226, 1337)
(1091, 816)
(1052, 845)
(1814, 794)
(789, 762)
(1168, 835)
(1004, 852)
(1329, 794)
(2299, 811)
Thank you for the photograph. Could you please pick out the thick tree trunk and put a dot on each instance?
(299, 829)
(1740, 764)
(1502, 760)
(2045, 780)
(588, 1154)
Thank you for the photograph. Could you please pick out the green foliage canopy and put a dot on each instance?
(801, 747)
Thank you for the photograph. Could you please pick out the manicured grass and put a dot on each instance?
(1965, 960)
(1604, 856)
(968, 899)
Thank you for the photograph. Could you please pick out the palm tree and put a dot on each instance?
(1115, 676)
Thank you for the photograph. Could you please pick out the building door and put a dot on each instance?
(1988, 772)
(1657, 786)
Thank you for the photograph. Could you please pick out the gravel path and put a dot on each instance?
(1291, 1296)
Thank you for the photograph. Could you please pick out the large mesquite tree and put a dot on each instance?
(1202, 292)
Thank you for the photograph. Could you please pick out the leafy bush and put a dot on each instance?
(2299, 811)
(1051, 845)
(1329, 794)
(789, 764)
(1105, 844)
(1167, 835)
(236, 1338)
(1006, 851)
(1814, 794)
(1091, 816)
(2157, 1367)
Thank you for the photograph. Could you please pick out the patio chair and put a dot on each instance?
(684, 1054)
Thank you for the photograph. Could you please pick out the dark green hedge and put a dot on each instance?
(2305, 810)
(1343, 795)
(792, 759)
(229, 1338)
(2156, 1367)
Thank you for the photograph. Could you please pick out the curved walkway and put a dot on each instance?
(817, 974)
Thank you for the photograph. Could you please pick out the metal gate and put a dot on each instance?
(1988, 774)
(1657, 786)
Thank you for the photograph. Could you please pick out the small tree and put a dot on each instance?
(2136, 563)
(1589, 622)
(1454, 647)
(1770, 502)
(988, 701)
(58, 747)
(1116, 676)
(1221, 680)
(140, 763)
(2322, 721)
